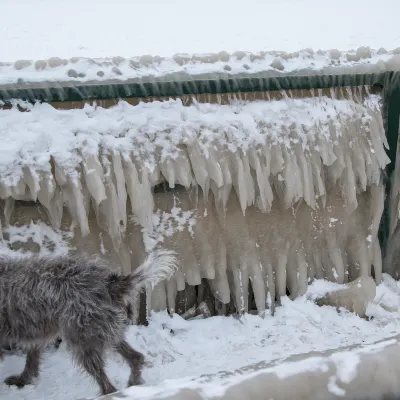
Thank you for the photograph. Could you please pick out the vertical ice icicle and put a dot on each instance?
(221, 194)
(335, 255)
(239, 180)
(258, 285)
(8, 209)
(262, 175)
(277, 160)
(46, 196)
(73, 195)
(93, 173)
(306, 177)
(377, 204)
(108, 215)
(378, 149)
(317, 174)
(302, 267)
(19, 190)
(199, 165)
(203, 242)
(76, 202)
(280, 272)
(214, 167)
(219, 285)
(349, 185)
(359, 165)
(121, 188)
(31, 178)
(159, 297)
(377, 261)
(177, 170)
(5, 191)
(172, 291)
(140, 195)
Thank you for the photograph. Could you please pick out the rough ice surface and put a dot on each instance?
(263, 196)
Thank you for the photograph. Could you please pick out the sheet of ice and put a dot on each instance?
(179, 349)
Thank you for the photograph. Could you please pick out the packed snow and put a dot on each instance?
(179, 349)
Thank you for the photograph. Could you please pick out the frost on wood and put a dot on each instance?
(262, 196)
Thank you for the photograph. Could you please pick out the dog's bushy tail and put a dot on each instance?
(159, 265)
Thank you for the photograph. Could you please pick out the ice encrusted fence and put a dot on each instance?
(262, 196)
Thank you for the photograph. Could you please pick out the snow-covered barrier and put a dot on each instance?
(259, 197)
(361, 372)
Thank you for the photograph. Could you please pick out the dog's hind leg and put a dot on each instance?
(135, 361)
(30, 371)
(92, 360)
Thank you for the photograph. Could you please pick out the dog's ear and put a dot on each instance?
(119, 286)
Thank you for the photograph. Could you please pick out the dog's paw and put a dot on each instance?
(16, 380)
(135, 380)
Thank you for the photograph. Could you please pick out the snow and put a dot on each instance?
(216, 31)
(46, 28)
(181, 350)
(30, 138)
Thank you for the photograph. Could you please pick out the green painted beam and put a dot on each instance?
(161, 87)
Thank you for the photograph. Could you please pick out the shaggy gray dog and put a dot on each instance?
(82, 301)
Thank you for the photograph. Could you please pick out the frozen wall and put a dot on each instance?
(262, 196)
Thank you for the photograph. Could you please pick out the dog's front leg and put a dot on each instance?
(30, 371)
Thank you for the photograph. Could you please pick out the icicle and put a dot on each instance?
(280, 272)
(46, 197)
(59, 174)
(8, 209)
(19, 191)
(72, 191)
(107, 213)
(377, 261)
(359, 165)
(349, 185)
(199, 165)
(335, 256)
(5, 191)
(177, 170)
(222, 194)
(121, 189)
(159, 297)
(172, 291)
(93, 173)
(264, 187)
(302, 267)
(306, 178)
(277, 161)
(239, 180)
(214, 167)
(140, 195)
(258, 285)
(31, 178)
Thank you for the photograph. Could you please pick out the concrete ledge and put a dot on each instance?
(358, 372)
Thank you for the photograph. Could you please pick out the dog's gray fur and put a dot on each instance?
(80, 300)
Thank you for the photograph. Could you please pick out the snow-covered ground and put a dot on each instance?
(175, 348)
(46, 28)
(54, 40)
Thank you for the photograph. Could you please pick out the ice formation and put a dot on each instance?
(262, 196)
